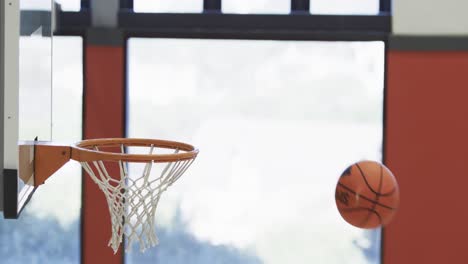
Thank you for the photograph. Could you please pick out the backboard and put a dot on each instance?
(25, 95)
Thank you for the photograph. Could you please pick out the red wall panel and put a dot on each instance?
(104, 112)
(427, 149)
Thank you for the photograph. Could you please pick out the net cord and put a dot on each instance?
(133, 201)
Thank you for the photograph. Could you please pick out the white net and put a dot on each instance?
(133, 199)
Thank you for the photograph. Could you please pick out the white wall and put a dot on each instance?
(430, 17)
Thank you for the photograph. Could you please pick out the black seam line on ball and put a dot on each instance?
(364, 197)
(376, 199)
(370, 187)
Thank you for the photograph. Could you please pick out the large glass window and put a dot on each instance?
(276, 122)
(48, 229)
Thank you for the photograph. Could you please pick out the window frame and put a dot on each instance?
(299, 24)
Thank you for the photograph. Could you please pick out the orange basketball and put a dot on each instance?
(367, 195)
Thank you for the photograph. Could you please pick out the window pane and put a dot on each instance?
(169, 6)
(351, 7)
(48, 230)
(36, 5)
(256, 6)
(35, 72)
(276, 123)
(69, 5)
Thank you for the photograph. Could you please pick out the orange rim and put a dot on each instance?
(85, 151)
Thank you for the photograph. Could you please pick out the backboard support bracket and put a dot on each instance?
(38, 160)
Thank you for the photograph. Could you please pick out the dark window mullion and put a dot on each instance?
(84, 4)
(212, 6)
(385, 6)
(126, 4)
(300, 6)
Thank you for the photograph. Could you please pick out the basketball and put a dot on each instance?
(367, 195)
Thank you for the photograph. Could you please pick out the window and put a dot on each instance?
(256, 6)
(168, 6)
(48, 230)
(276, 122)
(66, 5)
(69, 5)
(353, 7)
(347, 7)
(35, 5)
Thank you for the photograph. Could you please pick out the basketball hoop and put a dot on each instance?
(133, 199)
(132, 173)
